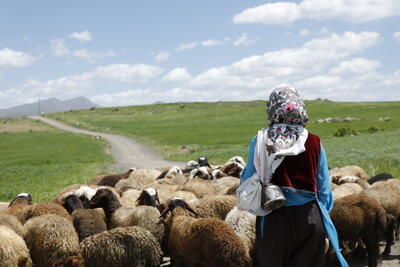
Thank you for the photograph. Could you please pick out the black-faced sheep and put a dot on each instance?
(122, 246)
(380, 177)
(357, 217)
(173, 171)
(201, 242)
(13, 250)
(52, 241)
(87, 222)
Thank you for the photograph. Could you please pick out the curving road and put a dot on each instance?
(126, 152)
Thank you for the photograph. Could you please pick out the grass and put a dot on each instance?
(41, 160)
(220, 130)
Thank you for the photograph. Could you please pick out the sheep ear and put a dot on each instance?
(191, 210)
(164, 212)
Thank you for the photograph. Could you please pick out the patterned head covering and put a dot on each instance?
(286, 118)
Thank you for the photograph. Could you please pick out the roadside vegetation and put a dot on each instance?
(41, 160)
(220, 130)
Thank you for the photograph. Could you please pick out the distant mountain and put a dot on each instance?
(48, 106)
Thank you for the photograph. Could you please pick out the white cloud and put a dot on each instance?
(304, 32)
(83, 37)
(12, 59)
(161, 56)
(353, 11)
(177, 75)
(59, 48)
(127, 72)
(211, 42)
(186, 46)
(306, 66)
(356, 66)
(396, 36)
(243, 41)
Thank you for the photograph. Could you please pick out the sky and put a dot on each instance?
(119, 53)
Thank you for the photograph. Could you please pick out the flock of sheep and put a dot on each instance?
(183, 217)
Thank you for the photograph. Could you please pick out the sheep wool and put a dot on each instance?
(13, 250)
(13, 223)
(52, 241)
(123, 246)
(45, 208)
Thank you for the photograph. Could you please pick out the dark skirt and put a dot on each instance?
(292, 236)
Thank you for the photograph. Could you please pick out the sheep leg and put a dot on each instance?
(372, 244)
(389, 236)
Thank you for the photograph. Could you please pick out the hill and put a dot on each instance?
(220, 130)
(48, 106)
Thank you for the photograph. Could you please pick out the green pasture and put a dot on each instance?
(220, 130)
(41, 160)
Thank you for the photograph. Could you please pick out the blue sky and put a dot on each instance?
(140, 52)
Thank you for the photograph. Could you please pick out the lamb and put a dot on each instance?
(122, 246)
(12, 222)
(380, 177)
(18, 205)
(45, 208)
(52, 241)
(13, 250)
(113, 179)
(358, 216)
(86, 222)
(244, 225)
(200, 242)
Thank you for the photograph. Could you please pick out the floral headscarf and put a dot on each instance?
(286, 118)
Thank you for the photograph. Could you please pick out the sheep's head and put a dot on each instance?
(148, 197)
(71, 203)
(104, 198)
(22, 198)
(203, 162)
(177, 206)
(233, 169)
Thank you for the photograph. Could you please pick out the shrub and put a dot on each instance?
(373, 129)
(345, 132)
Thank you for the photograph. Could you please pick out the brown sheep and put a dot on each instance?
(113, 179)
(13, 250)
(358, 216)
(122, 246)
(214, 206)
(13, 223)
(52, 241)
(18, 206)
(201, 242)
(45, 208)
(87, 222)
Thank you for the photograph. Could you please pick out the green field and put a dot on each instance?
(41, 160)
(221, 130)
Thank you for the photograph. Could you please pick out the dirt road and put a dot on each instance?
(126, 152)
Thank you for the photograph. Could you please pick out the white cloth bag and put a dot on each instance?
(249, 196)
